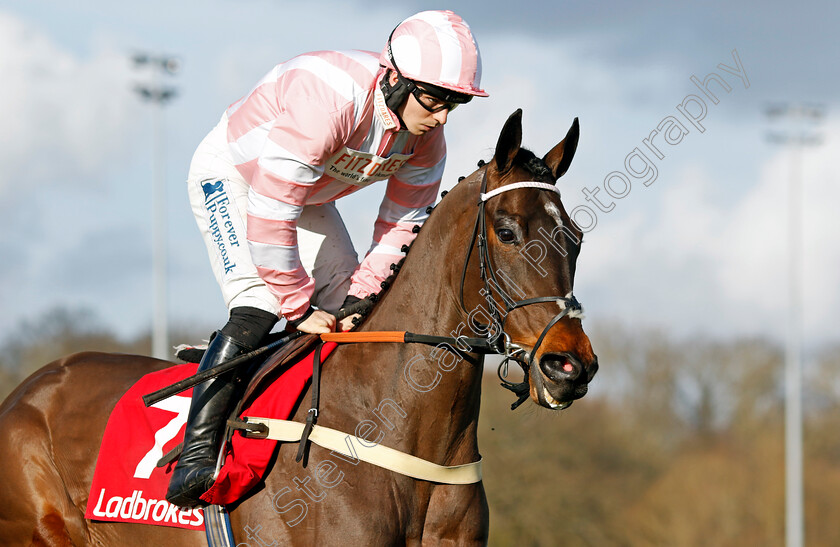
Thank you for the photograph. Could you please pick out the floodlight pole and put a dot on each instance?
(159, 95)
(796, 139)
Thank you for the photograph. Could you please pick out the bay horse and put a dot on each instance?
(466, 267)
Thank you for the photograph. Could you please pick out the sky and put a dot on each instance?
(699, 250)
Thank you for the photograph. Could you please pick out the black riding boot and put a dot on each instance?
(209, 409)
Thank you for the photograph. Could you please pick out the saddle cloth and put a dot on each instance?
(128, 486)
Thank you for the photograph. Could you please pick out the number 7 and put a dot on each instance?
(181, 406)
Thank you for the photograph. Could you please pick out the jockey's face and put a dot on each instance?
(417, 118)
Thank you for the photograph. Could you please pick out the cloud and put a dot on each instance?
(64, 114)
(68, 128)
(712, 254)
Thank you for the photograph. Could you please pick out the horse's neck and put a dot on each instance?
(442, 388)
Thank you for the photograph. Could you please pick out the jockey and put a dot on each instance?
(263, 183)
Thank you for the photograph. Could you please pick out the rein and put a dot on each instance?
(461, 343)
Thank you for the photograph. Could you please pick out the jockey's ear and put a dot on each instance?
(509, 141)
(560, 157)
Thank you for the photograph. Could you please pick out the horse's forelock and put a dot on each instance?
(533, 164)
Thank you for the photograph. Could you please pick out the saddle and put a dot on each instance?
(271, 368)
(276, 363)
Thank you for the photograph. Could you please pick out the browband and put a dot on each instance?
(514, 186)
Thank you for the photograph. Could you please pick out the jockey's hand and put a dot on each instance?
(318, 323)
(347, 323)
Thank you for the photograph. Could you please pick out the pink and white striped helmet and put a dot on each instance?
(438, 48)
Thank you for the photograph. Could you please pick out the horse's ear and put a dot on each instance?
(560, 157)
(509, 141)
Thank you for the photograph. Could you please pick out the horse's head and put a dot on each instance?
(528, 259)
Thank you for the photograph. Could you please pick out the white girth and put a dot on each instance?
(382, 456)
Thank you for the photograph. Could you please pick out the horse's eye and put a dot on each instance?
(506, 235)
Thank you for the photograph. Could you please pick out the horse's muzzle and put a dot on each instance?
(564, 378)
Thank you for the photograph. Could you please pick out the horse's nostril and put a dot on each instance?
(560, 367)
(593, 368)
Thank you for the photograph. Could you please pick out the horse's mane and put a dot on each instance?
(366, 305)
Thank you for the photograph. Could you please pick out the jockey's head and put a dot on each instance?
(434, 65)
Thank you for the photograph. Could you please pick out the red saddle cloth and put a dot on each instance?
(128, 487)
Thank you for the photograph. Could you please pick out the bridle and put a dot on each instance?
(500, 339)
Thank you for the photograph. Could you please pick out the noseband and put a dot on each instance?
(500, 339)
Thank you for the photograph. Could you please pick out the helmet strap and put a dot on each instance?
(395, 95)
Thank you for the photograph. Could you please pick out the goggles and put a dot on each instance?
(441, 98)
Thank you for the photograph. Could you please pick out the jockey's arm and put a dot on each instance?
(409, 192)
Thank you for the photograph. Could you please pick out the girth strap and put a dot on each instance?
(312, 414)
(382, 456)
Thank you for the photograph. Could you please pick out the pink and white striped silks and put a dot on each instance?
(313, 130)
